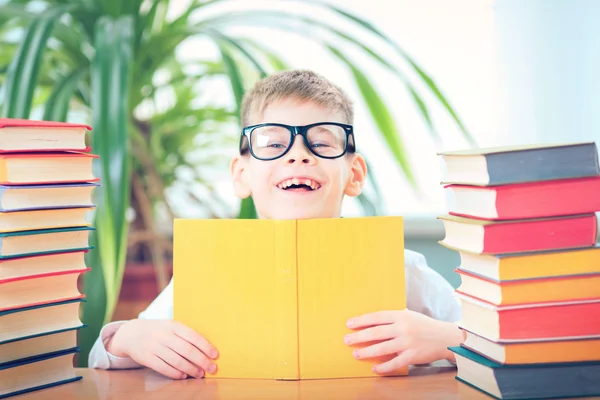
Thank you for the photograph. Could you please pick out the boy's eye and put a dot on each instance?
(276, 145)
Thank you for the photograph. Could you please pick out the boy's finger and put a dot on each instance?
(380, 332)
(178, 362)
(158, 365)
(193, 354)
(187, 333)
(371, 319)
(394, 364)
(379, 349)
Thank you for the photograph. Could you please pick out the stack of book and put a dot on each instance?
(523, 221)
(46, 185)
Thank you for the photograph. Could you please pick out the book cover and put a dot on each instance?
(519, 164)
(527, 200)
(289, 286)
(46, 168)
(33, 358)
(518, 236)
(40, 289)
(534, 352)
(41, 334)
(526, 291)
(530, 322)
(531, 265)
(35, 374)
(14, 221)
(21, 122)
(24, 135)
(45, 241)
(35, 320)
(39, 264)
(46, 197)
(539, 381)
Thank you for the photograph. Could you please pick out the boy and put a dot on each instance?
(297, 159)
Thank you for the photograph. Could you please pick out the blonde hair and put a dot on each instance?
(299, 84)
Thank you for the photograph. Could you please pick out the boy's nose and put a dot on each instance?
(299, 152)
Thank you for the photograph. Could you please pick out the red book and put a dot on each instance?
(527, 200)
(23, 135)
(32, 290)
(516, 236)
(531, 322)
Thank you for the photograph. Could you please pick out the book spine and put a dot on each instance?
(543, 164)
(3, 170)
(552, 234)
(286, 277)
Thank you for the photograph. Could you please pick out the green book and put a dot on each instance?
(527, 381)
(44, 241)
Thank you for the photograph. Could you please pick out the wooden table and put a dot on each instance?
(431, 382)
(423, 383)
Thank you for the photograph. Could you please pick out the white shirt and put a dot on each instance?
(427, 292)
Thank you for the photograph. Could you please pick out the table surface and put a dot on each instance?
(430, 382)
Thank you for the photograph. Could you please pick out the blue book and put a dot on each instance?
(37, 373)
(46, 197)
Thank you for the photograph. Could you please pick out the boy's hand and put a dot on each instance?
(413, 337)
(165, 346)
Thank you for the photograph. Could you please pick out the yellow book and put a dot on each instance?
(540, 264)
(526, 291)
(535, 352)
(274, 296)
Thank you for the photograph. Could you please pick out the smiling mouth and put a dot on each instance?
(299, 185)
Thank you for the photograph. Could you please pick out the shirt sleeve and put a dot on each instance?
(101, 359)
(428, 292)
(160, 308)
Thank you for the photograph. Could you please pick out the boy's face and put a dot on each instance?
(332, 178)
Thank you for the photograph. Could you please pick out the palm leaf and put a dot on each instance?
(57, 105)
(237, 45)
(235, 76)
(110, 74)
(22, 74)
(381, 115)
(276, 62)
(247, 209)
(280, 20)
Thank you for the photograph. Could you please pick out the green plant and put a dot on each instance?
(103, 58)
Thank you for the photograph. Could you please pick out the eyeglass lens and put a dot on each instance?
(272, 141)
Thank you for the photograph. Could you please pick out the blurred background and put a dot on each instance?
(161, 82)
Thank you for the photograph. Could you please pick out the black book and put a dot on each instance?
(527, 381)
(521, 164)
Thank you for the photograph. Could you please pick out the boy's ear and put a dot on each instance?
(237, 168)
(358, 174)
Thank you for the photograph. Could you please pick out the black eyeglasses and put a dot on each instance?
(271, 140)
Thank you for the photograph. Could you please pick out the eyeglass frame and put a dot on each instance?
(301, 130)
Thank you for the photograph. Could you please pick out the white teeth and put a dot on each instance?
(295, 181)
